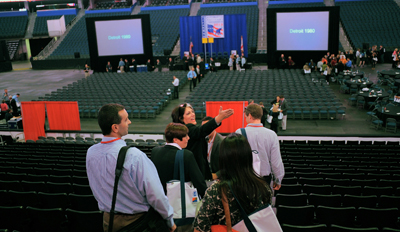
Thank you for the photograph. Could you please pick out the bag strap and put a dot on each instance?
(228, 221)
(243, 130)
(246, 218)
(118, 172)
(179, 167)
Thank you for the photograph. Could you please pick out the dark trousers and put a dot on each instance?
(274, 126)
(190, 84)
(176, 92)
(194, 82)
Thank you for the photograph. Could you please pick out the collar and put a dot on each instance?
(255, 125)
(174, 145)
(109, 140)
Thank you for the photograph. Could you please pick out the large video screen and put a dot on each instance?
(302, 31)
(119, 37)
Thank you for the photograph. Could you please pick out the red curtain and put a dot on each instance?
(63, 115)
(33, 114)
(232, 123)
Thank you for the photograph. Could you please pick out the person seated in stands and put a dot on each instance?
(396, 99)
(149, 66)
(306, 69)
(4, 108)
(108, 67)
(9, 115)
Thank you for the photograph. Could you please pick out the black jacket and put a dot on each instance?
(164, 160)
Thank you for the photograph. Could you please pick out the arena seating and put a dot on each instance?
(347, 183)
(143, 94)
(371, 22)
(110, 5)
(228, 1)
(165, 28)
(13, 27)
(76, 40)
(251, 19)
(327, 183)
(40, 28)
(302, 91)
(296, 5)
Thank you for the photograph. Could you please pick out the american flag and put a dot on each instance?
(190, 47)
(241, 44)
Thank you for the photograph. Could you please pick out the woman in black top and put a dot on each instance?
(197, 144)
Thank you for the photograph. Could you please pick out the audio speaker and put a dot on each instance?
(77, 55)
(365, 45)
(167, 52)
(253, 50)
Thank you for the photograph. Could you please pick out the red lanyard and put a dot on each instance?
(110, 140)
(255, 126)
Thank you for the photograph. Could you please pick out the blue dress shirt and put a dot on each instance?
(139, 186)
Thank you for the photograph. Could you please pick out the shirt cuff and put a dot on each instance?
(170, 222)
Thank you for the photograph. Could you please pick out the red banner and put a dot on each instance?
(232, 123)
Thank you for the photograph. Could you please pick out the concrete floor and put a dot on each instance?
(32, 84)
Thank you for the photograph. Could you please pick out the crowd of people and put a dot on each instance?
(331, 64)
(189, 61)
(244, 165)
(10, 106)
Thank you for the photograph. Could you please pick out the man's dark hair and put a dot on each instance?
(18, 94)
(255, 111)
(108, 115)
(281, 96)
(175, 130)
(206, 118)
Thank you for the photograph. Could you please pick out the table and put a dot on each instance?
(359, 84)
(140, 68)
(371, 97)
(391, 112)
(391, 73)
(349, 75)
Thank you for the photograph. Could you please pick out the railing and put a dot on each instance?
(47, 50)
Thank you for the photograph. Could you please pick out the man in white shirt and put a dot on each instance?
(176, 87)
(266, 143)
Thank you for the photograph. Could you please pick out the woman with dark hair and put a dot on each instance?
(236, 167)
(197, 144)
